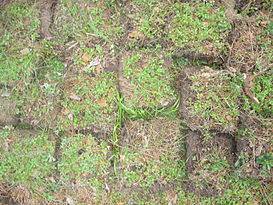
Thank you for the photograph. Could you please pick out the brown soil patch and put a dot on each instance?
(203, 158)
(251, 6)
(209, 58)
(4, 2)
(46, 16)
(7, 112)
(14, 195)
(78, 194)
(40, 113)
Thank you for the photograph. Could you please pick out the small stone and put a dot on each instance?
(70, 201)
(25, 51)
(75, 97)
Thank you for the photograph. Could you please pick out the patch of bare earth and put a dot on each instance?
(7, 112)
(14, 195)
(46, 17)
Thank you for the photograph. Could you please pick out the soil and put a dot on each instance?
(47, 16)
(14, 195)
(7, 112)
(151, 140)
(4, 2)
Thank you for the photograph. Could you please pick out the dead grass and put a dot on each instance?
(209, 162)
(14, 194)
(150, 159)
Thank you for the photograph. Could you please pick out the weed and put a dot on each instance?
(148, 20)
(18, 55)
(146, 114)
(85, 19)
(117, 133)
(22, 20)
(262, 90)
(266, 161)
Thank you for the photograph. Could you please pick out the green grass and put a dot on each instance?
(214, 103)
(199, 27)
(148, 20)
(36, 102)
(55, 86)
(84, 160)
(95, 104)
(151, 113)
(263, 84)
(27, 160)
(17, 51)
(85, 164)
(84, 20)
(147, 81)
(262, 90)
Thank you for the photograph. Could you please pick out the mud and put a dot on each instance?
(251, 6)
(203, 58)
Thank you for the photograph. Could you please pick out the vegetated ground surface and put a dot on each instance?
(136, 102)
